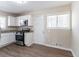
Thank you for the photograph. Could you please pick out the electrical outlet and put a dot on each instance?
(53, 43)
(59, 44)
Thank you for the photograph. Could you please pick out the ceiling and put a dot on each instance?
(15, 8)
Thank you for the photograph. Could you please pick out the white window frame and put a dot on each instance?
(57, 21)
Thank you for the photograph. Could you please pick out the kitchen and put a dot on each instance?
(16, 24)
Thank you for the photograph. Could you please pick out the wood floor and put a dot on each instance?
(35, 50)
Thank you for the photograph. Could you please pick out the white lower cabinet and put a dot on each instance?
(28, 39)
(7, 38)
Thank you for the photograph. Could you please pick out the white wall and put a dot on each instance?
(2, 13)
(75, 28)
(5, 13)
(55, 37)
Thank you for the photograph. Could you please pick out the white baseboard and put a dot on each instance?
(74, 55)
(67, 49)
(54, 46)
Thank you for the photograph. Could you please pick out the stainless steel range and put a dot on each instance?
(20, 38)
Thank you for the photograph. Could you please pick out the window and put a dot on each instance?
(2, 22)
(51, 21)
(63, 21)
(58, 21)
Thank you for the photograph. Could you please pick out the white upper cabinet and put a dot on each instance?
(12, 21)
(20, 20)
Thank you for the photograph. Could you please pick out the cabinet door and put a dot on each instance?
(29, 20)
(18, 21)
(28, 39)
(11, 37)
(11, 21)
(7, 38)
(4, 40)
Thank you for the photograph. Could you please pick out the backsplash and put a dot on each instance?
(25, 27)
(9, 28)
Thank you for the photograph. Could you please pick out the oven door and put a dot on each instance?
(19, 37)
